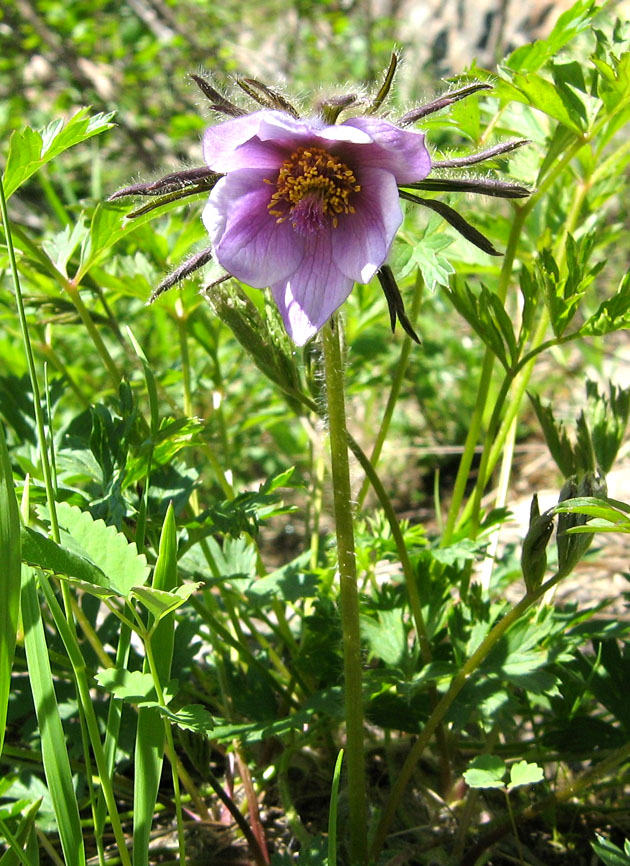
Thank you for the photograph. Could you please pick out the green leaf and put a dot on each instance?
(40, 551)
(160, 603)
(607, 419)
(486, 314)
(532, 89)
(30, 149)
(556, 437)
(435, 268)
(20, 838)
(608, 515)
(531, 57)
(485, 771)
(612, 315)
(192, 717)
(523, 773)
(61, 246)
(290, 583)
(132, 686)
(149, 749)
(386, 636)
(610, 853)
(107, 548)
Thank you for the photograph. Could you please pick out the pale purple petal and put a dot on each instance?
(313, 292)
(400, 151)
(248, 242)
(235, 144)
(361, 241)
(276, 126)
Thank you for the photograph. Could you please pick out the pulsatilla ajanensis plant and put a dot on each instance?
(309, 205)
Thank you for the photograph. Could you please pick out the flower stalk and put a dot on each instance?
(349, 595)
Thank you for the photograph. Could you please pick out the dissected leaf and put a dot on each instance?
(30, 149)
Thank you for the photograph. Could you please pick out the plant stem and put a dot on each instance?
(484, 387)
(349, 595)
(399, 375)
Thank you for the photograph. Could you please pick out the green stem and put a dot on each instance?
(495, 443)
(84, 314)
(399, 375)
(522, 212)
(484, 387)
(349, 595)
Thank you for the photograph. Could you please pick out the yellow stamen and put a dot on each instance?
(315, 173)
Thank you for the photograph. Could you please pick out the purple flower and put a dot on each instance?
(306, 208)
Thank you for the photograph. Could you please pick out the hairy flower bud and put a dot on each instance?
(573, 545)
(534, 553)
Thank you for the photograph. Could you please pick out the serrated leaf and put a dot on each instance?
(30, 149)
(385, 636)
(40, 551)
(612, 315)
(61, 246)
(531, 57)
(485, 771)
(435, 268)
(532, 89)
(107, 548)
(193, 717)
(523, 773)
(159, 602)
(289, 583)
(133, 686)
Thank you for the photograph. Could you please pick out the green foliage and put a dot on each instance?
(610, 854)
(30, 149)
(190, 517)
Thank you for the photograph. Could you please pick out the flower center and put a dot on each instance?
(312, 189)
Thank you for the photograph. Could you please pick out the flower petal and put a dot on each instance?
(265, 138)
(234, 144)
(361, 241)
(277, 126)
(400, 151)
(248, 242)
(312, 294)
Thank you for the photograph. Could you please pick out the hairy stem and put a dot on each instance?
(349, 594)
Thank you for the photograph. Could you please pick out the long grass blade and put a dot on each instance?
(10, 571)
(54, 753)
(332, 816)
(150, 738)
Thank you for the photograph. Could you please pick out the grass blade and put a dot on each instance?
(332, 816)
(149, 753)
(54, 754)
(10, 570)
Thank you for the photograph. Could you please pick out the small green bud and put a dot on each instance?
(573, 546)
(262, 338)
(534, 554)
